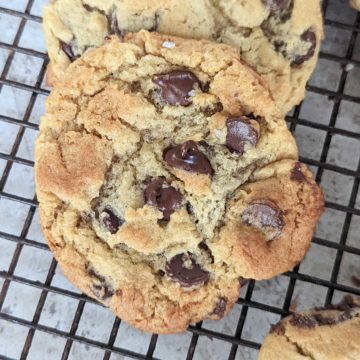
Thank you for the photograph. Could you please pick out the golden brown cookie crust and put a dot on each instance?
(105, 133)
(330, 334)
(272, 41)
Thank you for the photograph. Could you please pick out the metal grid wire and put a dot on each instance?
(22, 241)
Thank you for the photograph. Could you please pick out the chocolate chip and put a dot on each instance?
(183, 269)
(162, 196)
(67, 49)
(276, 5)
(220, 307)
(308, 37)
(176, 87)
(189, 158)
(207, 250)
(297, 174)
(264, 216)
(189, 208)
(99, 287)
(161, 273)
(346, 304)
(278, 329)
(111, 222)
(213, 109)
(303, 321)
(318, 319)
(240, 133)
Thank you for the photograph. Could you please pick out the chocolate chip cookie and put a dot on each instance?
(152, 163)
(326, 333)
(280, 39)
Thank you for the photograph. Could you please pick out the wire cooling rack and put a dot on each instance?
(327, 127)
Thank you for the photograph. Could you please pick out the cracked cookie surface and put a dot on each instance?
(279, 39)
(148, 158)
(326, 333)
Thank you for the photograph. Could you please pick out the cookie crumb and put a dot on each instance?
(349, 67)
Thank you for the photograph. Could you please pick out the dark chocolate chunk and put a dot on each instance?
(297, 174)
(303, 321)
(278, 329)
(99, 287)
(309, 37)
(111, 222)
(263, 215)
(189, 158)
(276, 5)
(67, 49)
(162, 196)
(220, 307)
(239, 133)
(176, 87)
(183, 269)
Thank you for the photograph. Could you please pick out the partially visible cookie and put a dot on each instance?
(147, 155)
(279, 39)
(355, 4)
(326, 333)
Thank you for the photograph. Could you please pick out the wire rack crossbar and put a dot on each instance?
(246, 302)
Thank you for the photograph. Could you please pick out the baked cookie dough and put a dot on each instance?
(152, 151)
(329, 333)
(280, 39)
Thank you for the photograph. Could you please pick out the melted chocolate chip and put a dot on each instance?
(99, 287)
(162, 196)
(67, 49)
(189, 158)
(297, 174)
(176, 87)
(239, 133)
(345, 308)
(309, 37)
(276, 5)
(264, 215)
(303, 321)
(111, 222)
(220, 307)
(183, 269)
